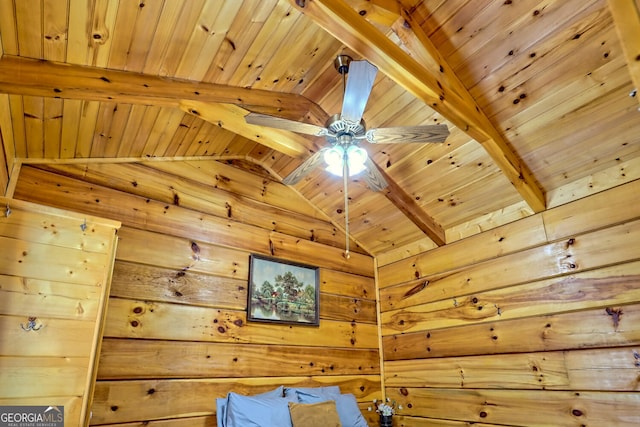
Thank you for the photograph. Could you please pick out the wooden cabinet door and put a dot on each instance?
(55, 272)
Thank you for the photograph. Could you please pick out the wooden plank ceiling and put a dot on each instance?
(536, 94)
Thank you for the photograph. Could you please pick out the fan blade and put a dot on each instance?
(307, 166)
(359, 84)
(392, 135)
(284, 124)
(372, 176)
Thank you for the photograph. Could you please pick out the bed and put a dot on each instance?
(291, 407)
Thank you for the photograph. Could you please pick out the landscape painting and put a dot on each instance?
(282, 291)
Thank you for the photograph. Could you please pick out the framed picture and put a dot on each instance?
(283, 291)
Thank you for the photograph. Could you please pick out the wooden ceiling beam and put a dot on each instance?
(383, 12)
(626, 17)
(440, 90)
(408, 206)
(222, 105)
(231, 118)
(23, 76)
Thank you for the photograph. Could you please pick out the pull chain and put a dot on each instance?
(345, 180)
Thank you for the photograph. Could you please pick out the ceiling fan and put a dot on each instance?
(344, 131)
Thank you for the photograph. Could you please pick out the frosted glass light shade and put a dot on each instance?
(356, 157)
(336, 155)
(333, 157)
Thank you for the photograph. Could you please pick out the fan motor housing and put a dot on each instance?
(339, 127)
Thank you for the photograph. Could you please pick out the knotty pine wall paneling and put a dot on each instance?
(535, 323)
(55, 270)
(176, 334)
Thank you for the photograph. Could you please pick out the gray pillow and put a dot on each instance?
(257, 411)
(221, 404)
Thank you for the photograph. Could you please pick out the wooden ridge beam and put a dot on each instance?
(383, 12)
(444, 95)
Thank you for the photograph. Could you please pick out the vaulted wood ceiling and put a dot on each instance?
(538, 96)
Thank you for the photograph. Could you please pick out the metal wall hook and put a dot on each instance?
(7, 212)
(31, 325)
(83, 226)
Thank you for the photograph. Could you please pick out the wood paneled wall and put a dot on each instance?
(176, 334)
(535, 323)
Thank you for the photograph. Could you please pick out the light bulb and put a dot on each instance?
(356, 158)
(334, 157)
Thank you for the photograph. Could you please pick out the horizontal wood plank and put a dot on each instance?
(612, 369)
(39, 224)
(21, 296)
(521, 407)
(120, 359)
(27, 209)
(591, 213)
(603, 327)
(118, 401)
(336, 307)
(347, 284)
(610, 286)
(149, 320)
(605, 369)
(180, 254)
(203, 421)
(29, 377)
(28, 259)
(186, 286)
(54, 337)
(407, 421)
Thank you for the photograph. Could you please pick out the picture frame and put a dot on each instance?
(283, 291)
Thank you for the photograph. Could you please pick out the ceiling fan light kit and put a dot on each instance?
(353, 157)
